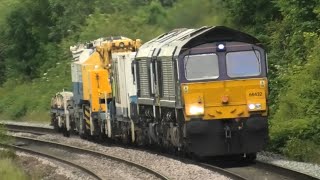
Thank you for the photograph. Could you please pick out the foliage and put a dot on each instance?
(34, 97)
(191, 14)
(247, 13)
(5, 8)
(302, 150)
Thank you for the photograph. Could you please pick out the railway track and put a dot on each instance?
(284, 171)
(37, 130)
(233, 170)
(72, 152)
(258, 170)
(41, 154)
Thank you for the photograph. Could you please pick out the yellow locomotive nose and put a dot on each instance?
(225, 100)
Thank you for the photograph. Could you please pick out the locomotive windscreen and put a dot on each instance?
(243, 64)
(204, 66)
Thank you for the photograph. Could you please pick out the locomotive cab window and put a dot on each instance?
(243, 64)
(199, 67)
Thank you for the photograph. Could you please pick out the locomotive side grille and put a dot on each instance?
(168, 84)
(144, 78)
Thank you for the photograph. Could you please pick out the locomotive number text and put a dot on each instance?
(255, 94)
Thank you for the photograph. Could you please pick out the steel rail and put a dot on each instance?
(29, 129)
(285, 171)
(94, 153)
(222, 171)
(83, 169)
(261, 170)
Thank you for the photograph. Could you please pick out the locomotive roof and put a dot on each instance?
(178, 39)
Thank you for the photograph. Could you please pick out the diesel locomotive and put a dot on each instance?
(199, 91)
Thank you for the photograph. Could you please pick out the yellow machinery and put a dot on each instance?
(96, 83)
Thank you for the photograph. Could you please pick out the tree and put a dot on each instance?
(247, 13)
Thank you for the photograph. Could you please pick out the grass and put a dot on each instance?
(30, 101)
(9, 170)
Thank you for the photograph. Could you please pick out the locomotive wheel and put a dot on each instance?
(66, 133)
(102, 135)
(250, 157)
(196, 157)
(125, 138)
(73, 128)
(56, 126)
(82, 129)
(64, 130)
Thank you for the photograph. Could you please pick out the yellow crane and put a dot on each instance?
(96, 84)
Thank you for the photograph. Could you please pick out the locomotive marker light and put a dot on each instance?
(253, 107)
(258, 106)
(221, 47)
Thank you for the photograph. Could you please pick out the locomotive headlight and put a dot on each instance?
(196, 110)
(253, 107)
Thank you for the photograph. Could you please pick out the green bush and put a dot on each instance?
(296, 119)
(302, 150)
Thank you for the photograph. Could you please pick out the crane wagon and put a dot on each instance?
(62, 112)
(94, 86)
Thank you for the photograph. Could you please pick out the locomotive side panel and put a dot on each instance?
(99, 90)
(77, 81)
(90, 64)
(125, 89)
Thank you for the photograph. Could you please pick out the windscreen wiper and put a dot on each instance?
(186, 63)
(255, 53)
